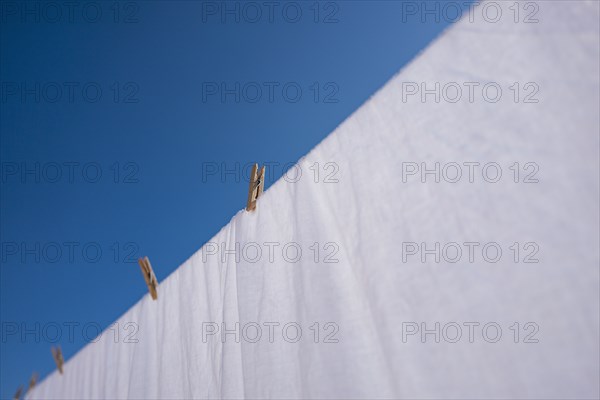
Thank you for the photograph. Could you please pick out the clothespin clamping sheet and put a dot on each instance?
(149, 276)
(17, 395)
(32, 381)
(257, 184)
(58, 358)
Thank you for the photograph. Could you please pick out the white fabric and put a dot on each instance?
(371, 292)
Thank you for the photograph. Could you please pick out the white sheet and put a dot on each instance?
(371, 294)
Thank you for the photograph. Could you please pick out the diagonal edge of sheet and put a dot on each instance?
(391, 323)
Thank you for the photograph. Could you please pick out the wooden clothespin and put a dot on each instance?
(32, 381)
(149, 276)
(58, 358)
(257, 184)
(17, 395)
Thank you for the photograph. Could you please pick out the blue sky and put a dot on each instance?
(112, 115)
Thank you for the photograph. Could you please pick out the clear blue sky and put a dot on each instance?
(159, 67)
